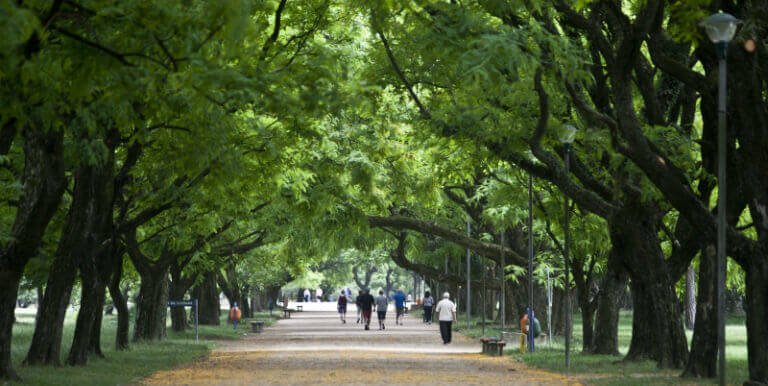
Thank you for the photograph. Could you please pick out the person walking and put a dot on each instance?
(306, 295)
(399, 299)
(366, 305)
(381, 308)
(235, 314)
(359, 306)
(446, 312)
(341, 306)
(428, 303)
(319, 295)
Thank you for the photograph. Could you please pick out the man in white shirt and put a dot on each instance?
(446, 314)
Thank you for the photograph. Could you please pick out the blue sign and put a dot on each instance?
(181, 303)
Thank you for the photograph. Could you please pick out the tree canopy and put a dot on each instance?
(188, 147)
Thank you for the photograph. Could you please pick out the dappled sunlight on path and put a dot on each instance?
(314, 347)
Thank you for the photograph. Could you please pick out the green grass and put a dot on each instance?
(612, 370)
(121, 367)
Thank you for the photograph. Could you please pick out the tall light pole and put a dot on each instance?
(503, 305)
(720, 28)
(531, 340)
(469, 283)
(569, 134)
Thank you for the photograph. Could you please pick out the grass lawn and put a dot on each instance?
(611, 370)
(119, 367)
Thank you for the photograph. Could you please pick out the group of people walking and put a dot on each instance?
(366, 302)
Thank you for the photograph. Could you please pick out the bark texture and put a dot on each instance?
(151, 307)
(43, 184)
(702, 361)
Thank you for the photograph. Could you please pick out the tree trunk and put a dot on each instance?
(178, 288)
(151, 306)
(363, 282)
(246, 305)
(702, 361)
(9, 285)
(657, 328)
(558, 312)
(757, 315)
(121, 304)
(95, 341)
(92, 207)
(614, 284)
(208, 300)
(91, 306)
(43, 184)
(584, 281)
(45, 348)
(587, 329)
(690, 298)
(273, 294)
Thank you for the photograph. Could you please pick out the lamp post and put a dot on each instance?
(469, 283)
(531, 340)
(569, 134)
(503, 305)
(720, 28)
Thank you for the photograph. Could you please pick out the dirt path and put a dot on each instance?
(314, 347)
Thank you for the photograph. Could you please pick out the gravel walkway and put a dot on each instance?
(315, 348)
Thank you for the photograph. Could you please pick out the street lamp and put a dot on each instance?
(469, 282)
(567, 137)
(720, 28)
(531, 340)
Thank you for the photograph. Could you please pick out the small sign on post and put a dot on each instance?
(187, 303)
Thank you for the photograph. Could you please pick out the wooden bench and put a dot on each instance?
(287, 312)
(257, 326)
(299, 308)
(496, 347)
(487, 344)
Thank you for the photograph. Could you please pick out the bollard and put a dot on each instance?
(522, 343)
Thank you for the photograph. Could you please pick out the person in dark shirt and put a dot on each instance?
(358, 306)
(341, 306)
(366, 304)
(399, 299)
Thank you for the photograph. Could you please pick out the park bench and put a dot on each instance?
(486, 344)
(287, 312)
(257, 326)
(496, 347)
(299, 308)
(493, 346)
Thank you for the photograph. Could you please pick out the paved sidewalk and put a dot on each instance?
(314, 347)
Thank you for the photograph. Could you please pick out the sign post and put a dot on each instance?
(187, 303)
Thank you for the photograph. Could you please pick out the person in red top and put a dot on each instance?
(341, 306)
(366, 304)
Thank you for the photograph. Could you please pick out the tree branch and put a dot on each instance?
(400, 74)
(275, 32)
(489, 250)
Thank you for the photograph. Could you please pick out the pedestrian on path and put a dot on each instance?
(381, 308)
(359, 306)
(319, 295)
(428, 303)
(235, 315)
(399, 299)
(446, 312)
(366, 304)
(341, 305)
(306, 295)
